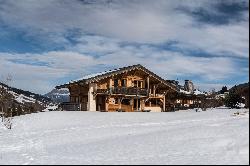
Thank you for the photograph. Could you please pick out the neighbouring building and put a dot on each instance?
(127, 89)
(189, 86)
(188, 96)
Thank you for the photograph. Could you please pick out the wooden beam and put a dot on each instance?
(120, 103)
(154, 88)
(148, 85)
(164, 103)
(136, 104)
(106, 103)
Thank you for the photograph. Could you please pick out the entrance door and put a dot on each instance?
(100, 104)
(137, 105)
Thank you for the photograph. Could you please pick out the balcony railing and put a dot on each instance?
(68, 106)
(124, 91)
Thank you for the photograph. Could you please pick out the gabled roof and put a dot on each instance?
(102, 75)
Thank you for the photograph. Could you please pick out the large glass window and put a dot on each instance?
(146, 84)
(137, 83)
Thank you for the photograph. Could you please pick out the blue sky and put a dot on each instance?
(50, 42)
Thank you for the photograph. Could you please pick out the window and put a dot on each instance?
(137, 83)
(126, 102)
(116, 100)
(146, 84)
(84, 99)
(115, 82)
(76, 99)
(100, 100)
(124, 82)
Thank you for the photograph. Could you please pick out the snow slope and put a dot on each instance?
(20, 98)
(59, 95)
(184, 137)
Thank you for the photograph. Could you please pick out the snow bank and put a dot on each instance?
(51, 108)
(216, 136)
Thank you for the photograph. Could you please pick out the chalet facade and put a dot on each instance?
(128, 89)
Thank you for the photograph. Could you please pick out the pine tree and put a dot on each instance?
(19, 110)
(232, 100)
(223, 90)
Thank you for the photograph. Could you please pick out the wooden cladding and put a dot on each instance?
(115, 107)
(124, 91)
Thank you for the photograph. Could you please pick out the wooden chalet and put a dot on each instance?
(188, 97)
(128, 89)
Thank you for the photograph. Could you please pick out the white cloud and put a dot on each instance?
(40, 78)
(132, 21)
(172, 65)
(29, 77)
(64, 65)
(135, 22)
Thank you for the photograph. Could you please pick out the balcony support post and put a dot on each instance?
(154, 89)
(148, 85)
(91, 99)
(164, 103)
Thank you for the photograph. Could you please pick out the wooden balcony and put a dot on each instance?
(124, 91)
(68, 106)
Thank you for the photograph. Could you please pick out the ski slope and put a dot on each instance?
(216, 136)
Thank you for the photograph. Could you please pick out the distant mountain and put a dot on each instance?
(58, 95)
(240, 87)
(22, 96)
(15, 102)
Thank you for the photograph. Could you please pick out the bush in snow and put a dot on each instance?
(8, 122)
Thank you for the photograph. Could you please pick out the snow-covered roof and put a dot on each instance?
(220, 96)
(185, 92)
(102, 75)
(93, 75)
(198, 92)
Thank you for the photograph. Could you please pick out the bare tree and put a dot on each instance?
(6, 100)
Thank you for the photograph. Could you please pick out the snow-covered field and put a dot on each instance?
(184, 137)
